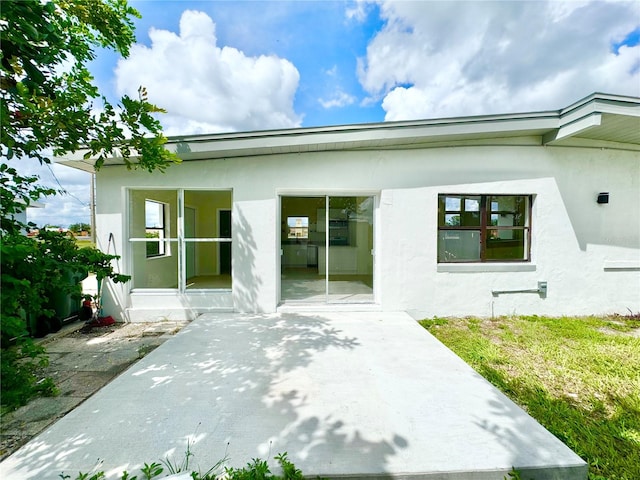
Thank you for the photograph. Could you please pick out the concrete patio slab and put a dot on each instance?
(85, 360)
(366, 394)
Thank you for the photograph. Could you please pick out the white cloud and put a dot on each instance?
(332, 72)
(61, 209)
(207, 88)
(440, 59)
(559, 10)
(335, 96)
(338, 100)
(357, 11)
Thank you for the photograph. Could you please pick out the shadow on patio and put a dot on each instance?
(237, 385)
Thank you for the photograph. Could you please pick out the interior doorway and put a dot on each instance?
(327, 249)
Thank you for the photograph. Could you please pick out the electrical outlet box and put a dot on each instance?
(542, 289)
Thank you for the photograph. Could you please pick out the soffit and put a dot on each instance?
(600, 120)
(615, 128)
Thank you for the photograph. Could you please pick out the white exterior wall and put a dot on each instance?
(588, 253)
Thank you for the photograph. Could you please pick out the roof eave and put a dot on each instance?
(551, 126)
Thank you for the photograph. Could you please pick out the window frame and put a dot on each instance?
(175, 246)
(485, 227)
(161, 229)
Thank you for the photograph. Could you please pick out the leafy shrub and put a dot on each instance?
(18, 370)
(44, 110)
(34, 270)
(259, 470)
(255, 470)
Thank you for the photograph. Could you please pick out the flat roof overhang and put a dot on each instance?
(600, 120)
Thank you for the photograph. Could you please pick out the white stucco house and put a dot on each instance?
(532, 213)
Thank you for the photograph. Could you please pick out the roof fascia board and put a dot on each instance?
(366, 127)
(578, 126)
(501, 140)
(359, 127)
(603, 100)
(600, 103)
(631, 110)
(600, 107)
(559, 124)
(336, 137)
(338, 140)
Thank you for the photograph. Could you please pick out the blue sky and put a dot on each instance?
(318, 38)
(238, 66)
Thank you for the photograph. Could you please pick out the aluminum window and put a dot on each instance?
(484, 228)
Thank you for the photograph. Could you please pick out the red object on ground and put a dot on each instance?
(102, 322)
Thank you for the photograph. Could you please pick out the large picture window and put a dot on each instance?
(484, 228)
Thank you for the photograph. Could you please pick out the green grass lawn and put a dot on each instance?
(579, 377)
(84, 243)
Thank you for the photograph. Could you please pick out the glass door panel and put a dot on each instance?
(207, 239)
(302, 247)
(327, 249)
(153, 231)
(350, 259)
(209, 262)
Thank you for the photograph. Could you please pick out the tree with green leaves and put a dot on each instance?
(49, 105)
(80, 227)
(49, 102)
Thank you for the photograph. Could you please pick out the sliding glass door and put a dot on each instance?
(327, 249)
(350, 257)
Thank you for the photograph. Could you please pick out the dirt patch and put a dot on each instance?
(628, 333)
(81, 361)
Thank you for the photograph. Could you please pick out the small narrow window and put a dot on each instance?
(154, 213)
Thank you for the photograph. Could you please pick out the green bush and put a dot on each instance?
(34, 270)
(18, 370)
(45, 48)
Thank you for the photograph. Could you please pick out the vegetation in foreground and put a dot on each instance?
(255, 470)
(578, 377)
(38, 275)
(50, 104)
